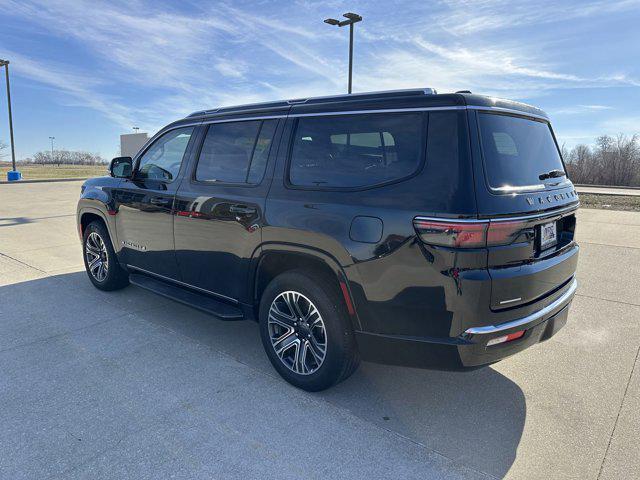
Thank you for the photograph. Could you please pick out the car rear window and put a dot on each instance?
(348, 151)
(517, 151)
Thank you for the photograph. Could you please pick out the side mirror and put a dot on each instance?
(121, 167)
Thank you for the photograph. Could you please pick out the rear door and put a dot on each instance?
(522, 188)
(220, 205)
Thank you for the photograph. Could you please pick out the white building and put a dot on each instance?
(131, 143)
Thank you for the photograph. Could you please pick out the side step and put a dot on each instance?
(200, 301)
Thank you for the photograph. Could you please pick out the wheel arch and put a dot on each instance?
(87, 215)
(274, 259)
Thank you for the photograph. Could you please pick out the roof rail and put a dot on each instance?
(297, 101)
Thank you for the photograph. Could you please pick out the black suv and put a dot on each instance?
(406, 227)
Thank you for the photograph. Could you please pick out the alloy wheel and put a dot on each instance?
(297, 332)
(97, 257)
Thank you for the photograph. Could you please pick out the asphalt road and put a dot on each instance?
(129, 385)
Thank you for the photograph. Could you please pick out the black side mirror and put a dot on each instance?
(121, 167)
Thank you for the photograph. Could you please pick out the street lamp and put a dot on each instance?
(52, 139)
(351, 18)
(135, 129)
(14, 174)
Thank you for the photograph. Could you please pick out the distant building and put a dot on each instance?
(131, 143)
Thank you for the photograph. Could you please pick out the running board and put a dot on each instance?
(200, 301)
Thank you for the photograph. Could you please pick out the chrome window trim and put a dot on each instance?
(552, 213)
(384, 110)
(560, 302)
(243, 119)
(173, 280)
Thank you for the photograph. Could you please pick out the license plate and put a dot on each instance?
(548, 235)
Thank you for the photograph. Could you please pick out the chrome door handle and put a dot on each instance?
(161, 201)
(242, 209)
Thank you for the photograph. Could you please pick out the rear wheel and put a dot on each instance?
(100, 259)
(306, 332)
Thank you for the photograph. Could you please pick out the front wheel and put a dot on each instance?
(306, 331)
(100, 259)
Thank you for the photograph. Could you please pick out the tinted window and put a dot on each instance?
(235, 152)
(517, 151)
(162, 160)
(355, 150)
(261, 152)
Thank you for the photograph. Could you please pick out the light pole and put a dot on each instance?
(14, 174)
(351, 18)
(135, 129)
(52, 139)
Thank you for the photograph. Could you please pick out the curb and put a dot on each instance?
(45, 180)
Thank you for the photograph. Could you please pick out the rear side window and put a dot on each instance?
(235, 152)
(349, 151)
(517, 151)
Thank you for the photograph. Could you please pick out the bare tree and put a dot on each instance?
(611, 161)
(67, 157)
(3, 147)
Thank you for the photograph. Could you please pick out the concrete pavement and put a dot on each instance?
(129, 385)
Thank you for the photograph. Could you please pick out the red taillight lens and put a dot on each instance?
(452, 234)
(473, 234)
(504, 233)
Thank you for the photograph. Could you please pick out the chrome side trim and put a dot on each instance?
(173, 280)
(508, 110)
(565, 298)
(504, 302)
(243, 119)
(552, 213)
(385, 110)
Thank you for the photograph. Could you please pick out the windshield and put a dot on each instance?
(519, 153)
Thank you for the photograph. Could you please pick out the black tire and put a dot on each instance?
(115, 277)
(341, 357)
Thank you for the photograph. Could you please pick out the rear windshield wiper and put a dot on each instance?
(552, 174)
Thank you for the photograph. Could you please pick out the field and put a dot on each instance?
(610, 202)
(40, 172)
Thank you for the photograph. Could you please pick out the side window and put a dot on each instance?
(235, 152)
(349, 151)
(162, 160)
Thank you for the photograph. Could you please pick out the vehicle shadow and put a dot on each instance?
(474, 418)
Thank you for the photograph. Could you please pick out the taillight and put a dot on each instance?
(472, 234)
(452, 234)
(504, 233)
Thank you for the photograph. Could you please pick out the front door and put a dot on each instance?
(220, 207)
(144, 205)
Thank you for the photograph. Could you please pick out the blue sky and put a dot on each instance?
(85, 72)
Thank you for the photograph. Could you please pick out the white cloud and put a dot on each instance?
(579, 109)
(178, 61)
(468, 17)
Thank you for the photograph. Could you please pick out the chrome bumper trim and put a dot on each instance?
(564, 299)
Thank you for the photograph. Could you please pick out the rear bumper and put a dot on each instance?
(470, 349)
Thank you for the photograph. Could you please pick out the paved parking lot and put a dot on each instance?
(129, 385)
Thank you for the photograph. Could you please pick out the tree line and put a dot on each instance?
(65, 157)
(610, 161)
